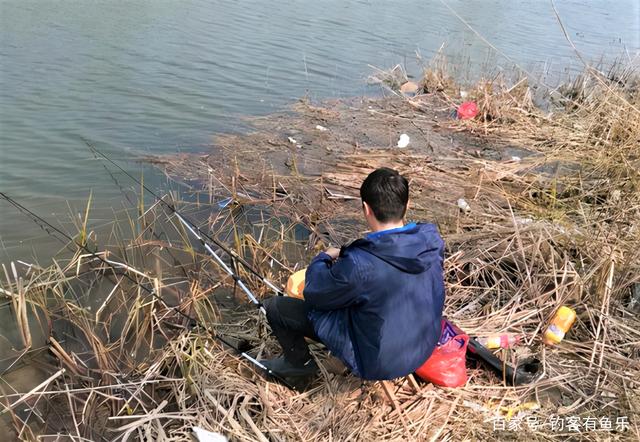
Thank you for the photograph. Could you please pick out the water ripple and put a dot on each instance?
(161, 75)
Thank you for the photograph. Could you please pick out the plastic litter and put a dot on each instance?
(208, 436)
(321, 128)
(292, 140)
(499, 341)
(467, 110)
(404, 140)
(510, 412)
(524, 221)
(476, 407)
(516, 159)
(560, 325)
(463, 205)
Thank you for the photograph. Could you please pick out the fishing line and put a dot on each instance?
(189, 225)
(134, 204)
(201, 235)
(46, 225)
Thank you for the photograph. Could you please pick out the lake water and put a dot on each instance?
(163, 76)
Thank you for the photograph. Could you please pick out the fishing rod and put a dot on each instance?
(44, 224)
(520, 375)
(199, 233)
(190, 226)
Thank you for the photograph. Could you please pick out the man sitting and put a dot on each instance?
(377, 303)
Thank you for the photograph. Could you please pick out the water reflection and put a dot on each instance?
(161, 76)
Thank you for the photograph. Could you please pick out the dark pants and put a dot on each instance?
(290, 325)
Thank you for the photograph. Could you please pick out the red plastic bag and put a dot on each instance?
(446, 365)
(467, 110)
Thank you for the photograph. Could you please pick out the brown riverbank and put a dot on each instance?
(553, 207)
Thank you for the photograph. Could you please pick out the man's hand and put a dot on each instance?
(333, 252)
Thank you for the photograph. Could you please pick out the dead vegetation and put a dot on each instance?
(554, 207)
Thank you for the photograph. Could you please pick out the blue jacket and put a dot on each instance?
(378, 307)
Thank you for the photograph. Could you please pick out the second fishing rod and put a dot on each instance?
(521, 374)
(53, 230)
(203, 237)
(195, 230)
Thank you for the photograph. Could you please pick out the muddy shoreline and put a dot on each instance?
(548, 220)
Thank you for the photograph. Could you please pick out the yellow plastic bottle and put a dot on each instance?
(560, 325)
(295, 284)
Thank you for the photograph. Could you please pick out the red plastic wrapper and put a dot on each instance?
(447, 364)
(467, 110)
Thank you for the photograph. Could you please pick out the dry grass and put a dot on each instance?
(559, 227)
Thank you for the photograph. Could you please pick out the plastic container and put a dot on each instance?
(404, 140)
(560, 325)
(499, 341)
(295, 284)
(463, 205)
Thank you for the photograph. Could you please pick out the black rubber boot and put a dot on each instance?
(281, 367)
(298, 378)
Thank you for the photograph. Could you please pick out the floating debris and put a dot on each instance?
(208, 436)
(467, 110)
(404, 140)
(463, 205)
(498, 275)
(409, 88)
(524, 221)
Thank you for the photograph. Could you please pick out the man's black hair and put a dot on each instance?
(387, 193)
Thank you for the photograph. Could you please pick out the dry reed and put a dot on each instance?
(556, 227)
